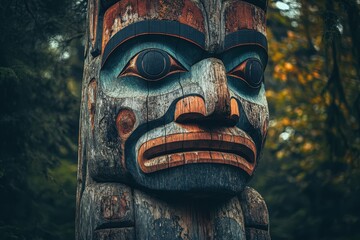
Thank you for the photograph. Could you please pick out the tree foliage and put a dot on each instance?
(310, 172)
(39, 75)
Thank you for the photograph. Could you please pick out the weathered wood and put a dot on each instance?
(105, 206)
(185, 220)
(115, 234)
(173, 120)
(254, 208)
(189, 108)
(257, 234)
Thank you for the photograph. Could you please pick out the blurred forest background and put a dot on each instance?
(309, 174)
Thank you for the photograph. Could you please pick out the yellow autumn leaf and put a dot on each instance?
(307, 147)
(289, 67)
(285, 121)
(301, 79)
(280, 154)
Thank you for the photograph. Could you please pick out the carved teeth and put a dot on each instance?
(194, 148)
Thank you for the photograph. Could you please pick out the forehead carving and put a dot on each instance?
(124, 13)
(214, 18)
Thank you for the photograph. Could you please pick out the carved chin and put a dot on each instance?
(231, 147)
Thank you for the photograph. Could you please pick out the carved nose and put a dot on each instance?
(215, 105)
(192, 108)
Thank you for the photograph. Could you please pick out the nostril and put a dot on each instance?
(189, 108)
(193, 109)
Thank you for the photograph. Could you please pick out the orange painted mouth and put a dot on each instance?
(197, 147)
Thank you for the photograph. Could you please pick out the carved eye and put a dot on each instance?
(152, 65)
(251, 71)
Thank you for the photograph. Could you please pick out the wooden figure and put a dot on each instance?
(173, 120)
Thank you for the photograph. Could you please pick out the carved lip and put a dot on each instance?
(197, 147)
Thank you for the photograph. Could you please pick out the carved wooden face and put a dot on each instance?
(179, 103)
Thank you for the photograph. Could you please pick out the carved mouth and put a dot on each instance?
(195, 148)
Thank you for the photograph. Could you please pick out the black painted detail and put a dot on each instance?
(251, 71)
(254, 73)
(245, 37)
(95, 51)
(153, 64)
(107, 3)
(155, 27)
(260, 3)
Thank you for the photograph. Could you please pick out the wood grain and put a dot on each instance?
(252, 17)
(189, 108)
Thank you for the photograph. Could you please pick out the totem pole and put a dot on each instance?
(173, 120)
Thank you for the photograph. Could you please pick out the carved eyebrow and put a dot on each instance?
(245, 37)
(154, 27)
